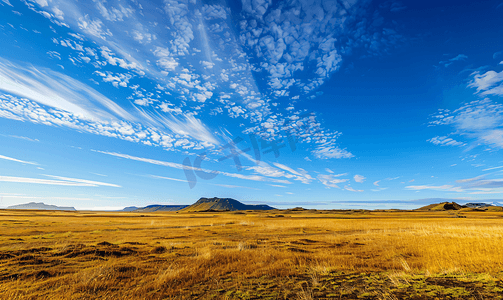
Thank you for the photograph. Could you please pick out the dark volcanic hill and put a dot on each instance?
(40, 206)
(157, 207)
(223, 204)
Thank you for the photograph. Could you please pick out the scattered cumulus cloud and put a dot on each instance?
(359, 178)
(481, 120)
(445, 141)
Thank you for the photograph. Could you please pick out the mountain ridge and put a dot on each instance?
(159, 207)
(40, 206)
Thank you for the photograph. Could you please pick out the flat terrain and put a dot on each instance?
(251, 255)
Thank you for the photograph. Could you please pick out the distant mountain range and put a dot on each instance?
(229, 204)
(454, 206)
(40, 206)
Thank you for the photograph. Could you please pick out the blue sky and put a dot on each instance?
(321, 104)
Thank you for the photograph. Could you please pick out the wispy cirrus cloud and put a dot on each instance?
(183, 135)
(332, 180)
(18, 160)
(349, 188)
(475, 185)
(60, 91)
(268, 177)
(7, 2)
(63, 181)
(459, 57)
(494, 168)
(84, 181)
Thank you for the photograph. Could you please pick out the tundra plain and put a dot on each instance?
(278, 254)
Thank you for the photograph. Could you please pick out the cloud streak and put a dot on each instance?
(57, 90)
(181, 167)
(63, 181)
(18, 160)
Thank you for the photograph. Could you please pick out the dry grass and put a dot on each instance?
(302, 255)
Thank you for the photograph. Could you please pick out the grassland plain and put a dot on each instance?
(251, 255)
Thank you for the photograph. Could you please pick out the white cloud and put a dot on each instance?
(94, 27)
(64, 181)
(348, 188)
(267, 171)
(286, 168)
(167, 63)
(493, 138)
(493, 168)
(429, 187)
(17, 160)
(470, 179)
(379, 189)
(281, 37)
(181, 167)
(115, 61)
(449, 62)
(476, 185)
(42, 3)
(445, 141)
(189, 126)
(25, 110)
(481, 120)
(116, 79)
(143, 37)
(359, 178)
(7, 2)
(325, 152)
(211, 12)
(298, 41)
(177, 13)
(84, 181)
(376, 183)
(113, 13)
(331, 180)
(58, 90)
(207, 64)
(489, 83)
(277, 185)
(167, 178)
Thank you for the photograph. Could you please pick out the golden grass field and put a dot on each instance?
(251, 255)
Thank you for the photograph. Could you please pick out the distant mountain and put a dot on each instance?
(478, 205)
(157, 207)
(130, 208)
(223, 204)
(40, 206)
